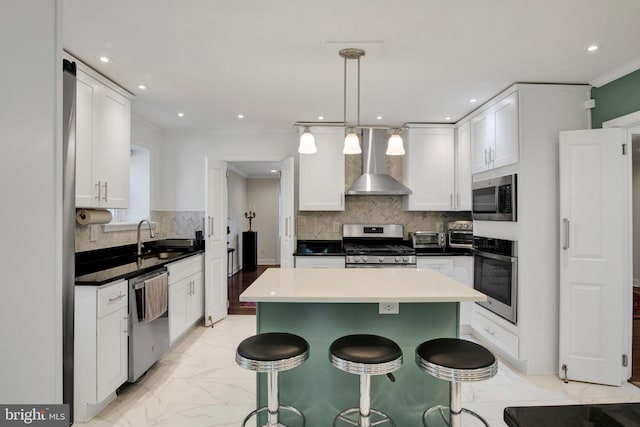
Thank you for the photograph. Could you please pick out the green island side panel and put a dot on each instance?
(321, 391)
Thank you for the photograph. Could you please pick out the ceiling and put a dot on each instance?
(276, 62)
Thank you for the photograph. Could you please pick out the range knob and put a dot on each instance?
(380, 259)
(398, 259)
(365, 258)
(405, 259)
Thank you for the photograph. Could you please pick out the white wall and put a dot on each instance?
(236, 204)
(183, 159)
(264, 195)
(30, 222)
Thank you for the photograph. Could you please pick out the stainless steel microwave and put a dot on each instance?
(495, 199)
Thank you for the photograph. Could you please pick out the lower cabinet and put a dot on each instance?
(495, 331)
(101, 346)
(319, 261)
(186, 295)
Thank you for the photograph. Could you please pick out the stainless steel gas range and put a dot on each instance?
(376, 245)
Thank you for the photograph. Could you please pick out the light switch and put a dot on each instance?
(93, 233)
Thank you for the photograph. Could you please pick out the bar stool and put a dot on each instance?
(272, 352)
(457, 361)
(365, 355)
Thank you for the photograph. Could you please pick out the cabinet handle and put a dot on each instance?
(105, 190)
(126, 323)
(99, 191)
(458, 199)
(567, 236)
(118, 298)
(492, 156)
(489, 331)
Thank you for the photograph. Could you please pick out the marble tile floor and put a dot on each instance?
(199, 384)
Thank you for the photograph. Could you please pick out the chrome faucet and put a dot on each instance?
(151, 234)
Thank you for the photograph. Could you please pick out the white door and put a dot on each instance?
(594, 254)
(215, 264)
(287, 235)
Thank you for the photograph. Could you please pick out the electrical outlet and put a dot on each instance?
(93, 233)
(388, 308)
(336, 227)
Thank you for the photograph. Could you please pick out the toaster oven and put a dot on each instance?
(429, 240)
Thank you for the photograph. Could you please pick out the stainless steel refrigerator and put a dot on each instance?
(68, 227)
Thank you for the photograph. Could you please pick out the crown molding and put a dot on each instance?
(616, 74)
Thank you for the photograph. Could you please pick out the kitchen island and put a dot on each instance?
(322, 305)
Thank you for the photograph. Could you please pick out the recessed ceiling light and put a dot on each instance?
(274, 171)
(320, 117)
(104, 59)
(447, 118)
(379, 118)
(241, 116)
(472, 100)
(592, 48)
(180, 114)
(142, 87)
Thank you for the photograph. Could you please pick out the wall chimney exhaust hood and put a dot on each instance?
(374, 180)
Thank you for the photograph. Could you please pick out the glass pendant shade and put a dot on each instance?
(351, 143)
(395, 146)
(307, 143)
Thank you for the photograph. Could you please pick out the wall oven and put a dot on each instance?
(495, 274)
(495, 199)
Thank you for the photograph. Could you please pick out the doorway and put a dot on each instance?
(635, 194)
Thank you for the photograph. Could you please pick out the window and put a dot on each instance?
(139, 192)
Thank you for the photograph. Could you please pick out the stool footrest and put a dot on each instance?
(343, 416)
(266, 409)
(444, 412)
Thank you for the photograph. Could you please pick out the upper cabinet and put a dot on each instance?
(429, 168)
(321, 176)
(103, 141)
(494, 135)
(462, 199)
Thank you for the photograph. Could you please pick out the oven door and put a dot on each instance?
(461, 239)
(496, 276)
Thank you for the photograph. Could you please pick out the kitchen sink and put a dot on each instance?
(176, 243)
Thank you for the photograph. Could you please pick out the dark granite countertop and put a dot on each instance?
(594, 415)
(95, 268)
(319, 248)
(445, 252)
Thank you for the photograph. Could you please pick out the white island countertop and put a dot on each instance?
(353, 285)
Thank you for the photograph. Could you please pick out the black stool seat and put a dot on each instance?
(272, 351)
(455, 353)
(365, 354)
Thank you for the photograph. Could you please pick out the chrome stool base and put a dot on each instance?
(445, 411)
(266, 408)
(344, 416)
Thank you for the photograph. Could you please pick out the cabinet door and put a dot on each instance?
(321, 177)
(482, 136)
(320, 261)
(506, 132)
(429, 169)
(463, 168)
(85, 88)
(111, 152)
(196, 298)
(179, 295)
(112, 351)
(441, 264)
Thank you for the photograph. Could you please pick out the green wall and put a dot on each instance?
(615, 99)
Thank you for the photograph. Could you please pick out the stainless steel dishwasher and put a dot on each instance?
(148, 341)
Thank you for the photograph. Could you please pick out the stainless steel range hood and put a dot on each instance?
(374, 180)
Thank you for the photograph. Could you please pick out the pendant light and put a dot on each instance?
(307, 145)
(395, 146)
(307, 142)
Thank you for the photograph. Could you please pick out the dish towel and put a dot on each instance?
(156, 299)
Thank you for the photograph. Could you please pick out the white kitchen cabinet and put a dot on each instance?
(428, 168)
(101, 346)
(186, 295)
(462, 199)
(103, 141)
(498, 332)
(494, 135)
(321, 175)
(441, 264)
(324, 261)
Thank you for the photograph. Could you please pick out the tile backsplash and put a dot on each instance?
(312, 225)
(169, 224)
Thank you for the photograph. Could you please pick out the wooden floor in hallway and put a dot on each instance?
(237, 283)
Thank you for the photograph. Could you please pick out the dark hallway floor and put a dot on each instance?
(236, 284)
